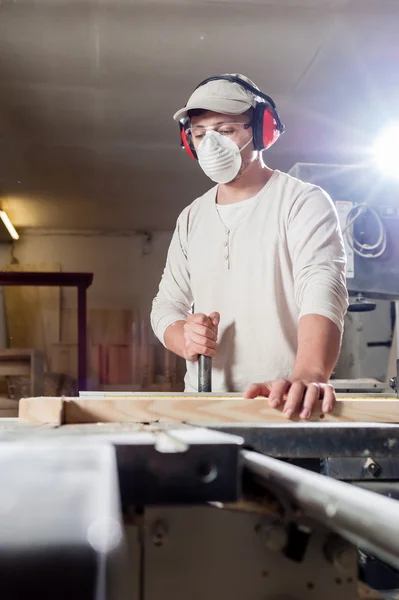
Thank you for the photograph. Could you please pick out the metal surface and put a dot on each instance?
(278, 541)
(280, 440)
(394, 381)
(156, 465)
(350, 386)
(367, 520)
(359, 469)
(60, 523)
(385, 488)
(184, 466)
(219, 554)
(318, 440)
(204, 373)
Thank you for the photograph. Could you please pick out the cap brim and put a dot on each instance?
(220, 105)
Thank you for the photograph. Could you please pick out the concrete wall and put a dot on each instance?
(127, 267)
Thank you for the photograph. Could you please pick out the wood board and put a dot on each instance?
(42, 411)
(24, 362)
(104, 326)
(23, 317)
(198, 409)
(119, 363)
(65, 361)
(8, 408)
(33, 313)
(127, 346)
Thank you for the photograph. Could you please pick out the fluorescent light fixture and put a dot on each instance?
(10, 227)
(386, 151)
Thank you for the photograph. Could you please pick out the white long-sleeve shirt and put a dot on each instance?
(282, 259)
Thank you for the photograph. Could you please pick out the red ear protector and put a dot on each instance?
(266, 124)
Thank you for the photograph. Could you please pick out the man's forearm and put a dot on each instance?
(319, 342)
(174, 338)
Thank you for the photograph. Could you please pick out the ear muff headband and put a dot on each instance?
(266, 125)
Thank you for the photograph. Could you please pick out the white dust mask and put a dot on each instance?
(219, 157)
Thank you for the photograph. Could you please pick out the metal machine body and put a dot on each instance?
(145, 512)
(360, 184)
(60, 522)
(226, 554)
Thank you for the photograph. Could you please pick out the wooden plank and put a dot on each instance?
(50, 305)
(14, 367)
(41, 410)
(8, 408)
(33, 313)
(203, 410)
(169, 368)
(110, 333)
(26, 362)
(110, 326)
(37, 373)
(65, 361)
(135, 341)
(222, 410)
(144, 355)
(104, 326)
(9, 413)
(96, 366)
(69, 326)
(151, 366)
(119, 364)
(23, 317)
(16, 353)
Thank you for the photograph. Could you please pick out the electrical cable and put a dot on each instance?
(365, 250)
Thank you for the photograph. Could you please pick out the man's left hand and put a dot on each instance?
(295, 395)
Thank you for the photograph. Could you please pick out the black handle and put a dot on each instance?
(387, 344)
(204, 373)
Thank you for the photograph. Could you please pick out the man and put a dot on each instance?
(255, 273)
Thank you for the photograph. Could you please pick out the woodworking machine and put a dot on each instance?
(172, 510)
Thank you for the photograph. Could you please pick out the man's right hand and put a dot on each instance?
(200, 335)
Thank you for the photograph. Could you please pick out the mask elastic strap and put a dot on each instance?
(245, 145)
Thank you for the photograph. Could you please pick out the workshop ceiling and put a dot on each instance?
(88, 89)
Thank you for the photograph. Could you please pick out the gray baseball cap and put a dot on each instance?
(220, 96)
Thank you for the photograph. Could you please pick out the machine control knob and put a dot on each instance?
(273, 535)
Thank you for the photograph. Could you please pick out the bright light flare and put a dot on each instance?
(386, 151)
